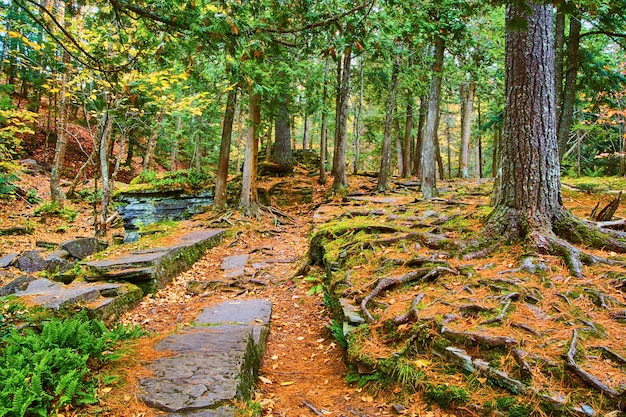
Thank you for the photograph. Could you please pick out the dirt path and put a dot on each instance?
(302, 373)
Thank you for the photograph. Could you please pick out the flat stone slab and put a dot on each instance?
(234, 262)
(7, 260)
(153, 268)
(215, 361)
(54, 295)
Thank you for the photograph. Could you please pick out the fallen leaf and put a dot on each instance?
(284, 384)
(265, 380)
(106, 390)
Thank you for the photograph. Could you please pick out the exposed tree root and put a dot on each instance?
(589, 379)
(499, 317)
(423, 274)
(481, 339)
(413, 312)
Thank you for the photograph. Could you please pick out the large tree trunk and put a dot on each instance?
(385, 160)
(340, 178)
(529, 195)
(282, 154)
(559, 43)
(430, 143)
(249, 197)
(467, 108)
(569, 90)
(221, 180)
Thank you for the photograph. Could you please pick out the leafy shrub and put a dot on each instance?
(44, 368)
(7, 189)
(52, 209)
(14, 123)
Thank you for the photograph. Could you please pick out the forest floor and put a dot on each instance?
(303, 365)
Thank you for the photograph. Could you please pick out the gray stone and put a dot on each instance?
(31, 261)
(215, 361)
(350, 312)
(53, 295)
(7, 260)
(83, 247)
(234, 262)
(18, 284)
(154, 268)
(252, 311)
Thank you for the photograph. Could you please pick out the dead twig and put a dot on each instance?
(500, 316)
(481, 339)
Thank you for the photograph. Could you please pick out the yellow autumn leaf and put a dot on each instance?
(284, 384)
(422, 363)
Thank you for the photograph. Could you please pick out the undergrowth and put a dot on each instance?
(47, 363)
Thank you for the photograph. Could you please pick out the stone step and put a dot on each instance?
(151, 269)
(215, 361)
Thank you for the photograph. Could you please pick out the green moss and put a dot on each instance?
(446, 396)
(188, 180)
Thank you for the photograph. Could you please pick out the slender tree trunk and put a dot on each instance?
(197, 147)
(338, 107)
(406, 158)
(385, 160)
(107, 186)
(270, 144)
(324, 127)
(357, 121)
(430, 151)
(399, 140)
(175, 144)
(529, 196)
(152, 141)
(448, 134)
(282, 154)
(249, 197)
(467, 107)
(221, 180)
(419, 139)
(340, 180)
(479, 161)
(306, 143)
(569, 91)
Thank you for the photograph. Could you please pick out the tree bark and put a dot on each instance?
(419, 139)
(249, 197)
(107, 186)
(559, 43)
(357, 122)
(152, 141)
(430, 143)
(306, 143)
(221, 180)
(529, 195)
(467, 108)
(340, 179)
(282, 154)
(569, 89)
(324, 127)
(406, 149)
(385, 160)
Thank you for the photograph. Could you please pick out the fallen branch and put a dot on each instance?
(611, 354)
(312, 408)
(526, 328)
(581, 373)
(384, 284)
(519, 356)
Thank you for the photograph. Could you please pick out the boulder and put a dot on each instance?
(83, 247)
(31, 261)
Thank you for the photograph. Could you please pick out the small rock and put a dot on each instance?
(82, 247)
(45, 245)
(430, 213)
(8, 260)
(399, 409)
(31, 261)
(18, 284)
(235, 262)
(585, 409)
